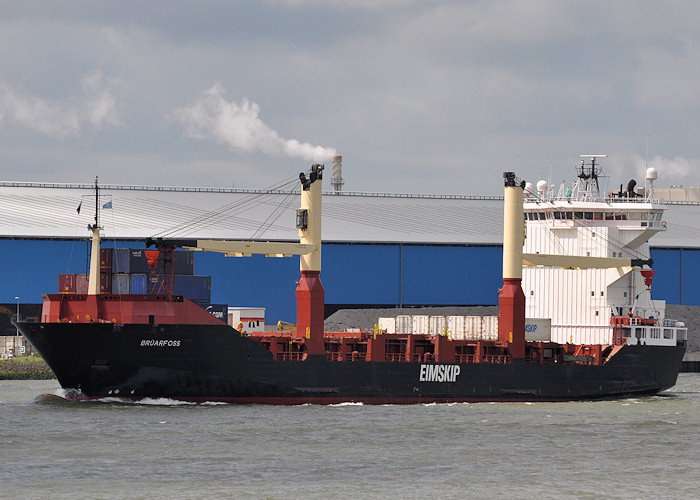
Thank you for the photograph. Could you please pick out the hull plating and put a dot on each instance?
(214, 363)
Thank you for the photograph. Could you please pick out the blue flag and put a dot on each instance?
(107, 205)
(80, 205)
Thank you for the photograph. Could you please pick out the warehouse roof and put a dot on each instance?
(49, 210)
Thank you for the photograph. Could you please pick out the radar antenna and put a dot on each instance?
(590, 172)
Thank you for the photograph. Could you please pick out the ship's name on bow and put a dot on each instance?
(160, 343)
(439, 373)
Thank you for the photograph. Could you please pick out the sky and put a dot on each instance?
(435, 97)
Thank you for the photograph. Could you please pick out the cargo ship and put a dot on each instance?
(584, 270)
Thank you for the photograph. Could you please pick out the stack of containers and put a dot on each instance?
(125, 270)
(456, 327)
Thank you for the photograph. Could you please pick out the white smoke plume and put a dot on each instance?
(100, 104)
(672, 171)
(240, 128)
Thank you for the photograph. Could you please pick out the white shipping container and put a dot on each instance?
(387, 325)
(438, 325)
(455, 327)
(420, 324)
(538, 329)
(404, 324)
(489, 329)
(472, 327)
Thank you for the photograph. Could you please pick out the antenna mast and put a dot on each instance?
(97, 203)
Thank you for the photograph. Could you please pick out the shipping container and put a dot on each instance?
(538, 329)
(106, 260)
(138, 263)
(137, 284)
(81, 283)
(437, 325)
(120, 260)
(106, 283)
(195, 288)
(489, 329)
(455, 327)
(387, 325)
(219, 311)
(420, 324)
(66, 283)
(183, 262)
(404, 324)
(472, 327)
(120, 283)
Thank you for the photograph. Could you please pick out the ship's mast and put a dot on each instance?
(587, 183)
(310, 294)
(511, 301)
(94, 277)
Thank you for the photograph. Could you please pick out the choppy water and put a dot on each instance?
(632, 448)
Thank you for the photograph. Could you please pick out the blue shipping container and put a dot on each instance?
(195, 288)
(120, 260)
(138, 283)
(219, 311)
(183, 262)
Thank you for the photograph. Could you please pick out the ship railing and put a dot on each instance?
(484, 358)
(290, 356)
(395, 356)
(673, 322)
(496, 358)
(340, 356)
(425, 357)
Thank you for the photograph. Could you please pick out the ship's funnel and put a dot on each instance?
(337, 181)
(511, 301)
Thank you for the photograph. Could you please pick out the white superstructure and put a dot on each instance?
(580, 298)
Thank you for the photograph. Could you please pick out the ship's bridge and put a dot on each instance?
(596, 214)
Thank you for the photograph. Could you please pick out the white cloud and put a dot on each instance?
(100, 104)
(103, 103)
(42, 116)
(240, 127)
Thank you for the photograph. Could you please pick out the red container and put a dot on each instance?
(66, 283)
(105, 283)
(106, 260)
(81, 284)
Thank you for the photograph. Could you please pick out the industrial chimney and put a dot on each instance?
(337, 181)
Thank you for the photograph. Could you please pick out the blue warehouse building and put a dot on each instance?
(379, 249)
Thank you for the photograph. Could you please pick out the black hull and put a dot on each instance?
(214, 363)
